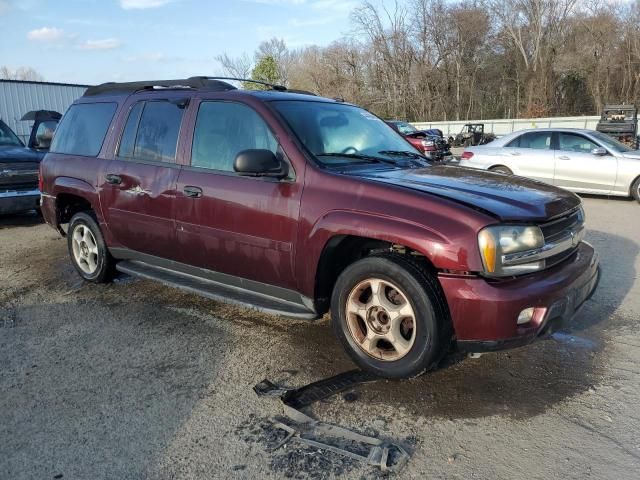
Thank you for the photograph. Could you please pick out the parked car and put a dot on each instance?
(429, 142)
(18, 173)
(471, 134)
(579, 160)
(296, 205)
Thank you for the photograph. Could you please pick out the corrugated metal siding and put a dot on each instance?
(17, 98)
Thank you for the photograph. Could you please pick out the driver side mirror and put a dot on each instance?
(599, 151)
(260, 163)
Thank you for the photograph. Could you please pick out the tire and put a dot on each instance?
(87, 249)
(635, 189)
(363, 325)
(501, 169)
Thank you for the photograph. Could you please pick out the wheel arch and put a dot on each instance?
(360, 230)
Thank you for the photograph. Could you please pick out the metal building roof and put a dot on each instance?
(17, 97)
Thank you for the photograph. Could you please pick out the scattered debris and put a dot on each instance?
(301, 428)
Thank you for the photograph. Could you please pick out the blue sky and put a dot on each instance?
(95, 41)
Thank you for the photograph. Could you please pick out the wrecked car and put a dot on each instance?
(429, 142)
(298, 205)
(472, 134)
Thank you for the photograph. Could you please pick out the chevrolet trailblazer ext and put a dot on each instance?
(296, 205)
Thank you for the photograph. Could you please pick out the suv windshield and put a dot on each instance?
(336, 133)
(7, 137)
(611, 143)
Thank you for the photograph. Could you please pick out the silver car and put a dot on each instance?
(579, 160)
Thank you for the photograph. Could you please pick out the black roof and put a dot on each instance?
(197, 83)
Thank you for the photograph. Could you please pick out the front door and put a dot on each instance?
(240, 226)
(139, 185)
(578, 169)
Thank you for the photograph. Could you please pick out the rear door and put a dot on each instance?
(578, 169)
(236, 225)
(530, 155)
(138, 186)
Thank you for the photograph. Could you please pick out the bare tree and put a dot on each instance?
(21, 73)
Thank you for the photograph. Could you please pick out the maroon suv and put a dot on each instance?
(296, 205)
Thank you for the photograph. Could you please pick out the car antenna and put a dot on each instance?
(279, 88)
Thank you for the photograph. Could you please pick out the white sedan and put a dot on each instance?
(579, 160)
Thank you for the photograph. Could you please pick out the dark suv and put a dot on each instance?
(296, 205)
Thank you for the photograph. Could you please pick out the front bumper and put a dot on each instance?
(15, 201)
(484, 313)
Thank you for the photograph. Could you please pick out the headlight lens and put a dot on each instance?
(498, 240)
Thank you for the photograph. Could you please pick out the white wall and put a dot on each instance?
(503, 127)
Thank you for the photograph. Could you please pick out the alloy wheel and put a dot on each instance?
(381, 319)
(85, 249)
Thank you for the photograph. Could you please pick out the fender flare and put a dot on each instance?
(438, 250)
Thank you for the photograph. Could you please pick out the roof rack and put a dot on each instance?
(214, 84)
(280, 88)
(195, 83)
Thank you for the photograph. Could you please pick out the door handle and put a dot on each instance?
(193, 192)
(563, 157)
(515, 154)
(113, 179)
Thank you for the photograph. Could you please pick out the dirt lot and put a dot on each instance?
(137, 380)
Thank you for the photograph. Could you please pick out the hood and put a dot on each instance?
(19, 154)
(509, 198)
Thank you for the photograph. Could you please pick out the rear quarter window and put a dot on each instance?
(83, 129)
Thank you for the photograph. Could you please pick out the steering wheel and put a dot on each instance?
(350, 150)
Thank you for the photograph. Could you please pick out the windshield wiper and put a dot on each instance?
(358, 156)
(403, 153)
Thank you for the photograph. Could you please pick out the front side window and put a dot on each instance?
(611, 143)
(333, 132)
(533, 140)
(152, 130)
(7, 137)
(570, 142)
(224, 129)
(83, 129)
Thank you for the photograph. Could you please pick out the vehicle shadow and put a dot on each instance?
(518, 383)
(26, 219)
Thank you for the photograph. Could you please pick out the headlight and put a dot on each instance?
(499, 240)
(428, 143)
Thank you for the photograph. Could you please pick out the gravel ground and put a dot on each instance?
(137, 380)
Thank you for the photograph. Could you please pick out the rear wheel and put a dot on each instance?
(390, 317)
(635, 189)
(87, 249)
(501, 169)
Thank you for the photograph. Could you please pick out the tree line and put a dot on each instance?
(467, 59)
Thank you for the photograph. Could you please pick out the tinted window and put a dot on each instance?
(151, 132)
(535, 140)
(575, 143)
(128, 140)
(83, 129)
(223, 130)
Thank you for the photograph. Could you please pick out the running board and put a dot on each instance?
(216, 291)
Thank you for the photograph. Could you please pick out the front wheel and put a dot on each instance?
(87, 249)
(388, 313)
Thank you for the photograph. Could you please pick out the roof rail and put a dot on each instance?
(195, 83)
(280, 88)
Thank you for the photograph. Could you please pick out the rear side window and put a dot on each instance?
(152, 131)
(83, 129)
(534, 140)
(224, 129)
